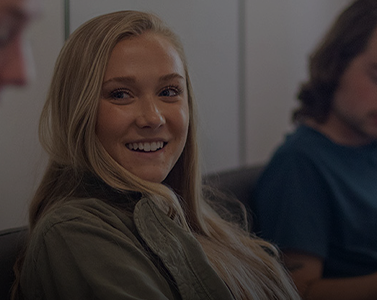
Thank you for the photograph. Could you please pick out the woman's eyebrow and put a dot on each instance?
(170, 77)
(132, 79)
(121, 79)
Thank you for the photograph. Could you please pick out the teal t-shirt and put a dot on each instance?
(320, 198)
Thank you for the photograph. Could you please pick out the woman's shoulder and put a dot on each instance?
(78, 208)
(81, 214)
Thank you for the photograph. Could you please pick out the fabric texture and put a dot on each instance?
(320, 198)
(90, 249)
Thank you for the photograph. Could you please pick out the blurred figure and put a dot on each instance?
(15, 15)
(317, 199)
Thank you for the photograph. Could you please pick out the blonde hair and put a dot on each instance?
(67, 132)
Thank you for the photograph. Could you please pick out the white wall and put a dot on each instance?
(21, 157)
(279, 36)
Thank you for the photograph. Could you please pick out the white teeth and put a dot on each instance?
(147, 147)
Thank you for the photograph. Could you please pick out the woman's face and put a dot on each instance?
(143, 115)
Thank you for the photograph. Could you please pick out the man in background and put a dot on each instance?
(317, 198)
(15, 16)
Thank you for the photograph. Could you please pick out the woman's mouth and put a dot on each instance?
(146, 147)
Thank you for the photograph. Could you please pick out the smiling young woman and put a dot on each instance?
(143, 115)
(120, 212)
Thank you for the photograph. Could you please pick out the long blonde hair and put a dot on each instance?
(249, 266)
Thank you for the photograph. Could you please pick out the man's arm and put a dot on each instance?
(306, 271)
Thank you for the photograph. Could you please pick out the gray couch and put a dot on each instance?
(12, 242)
(238, 182)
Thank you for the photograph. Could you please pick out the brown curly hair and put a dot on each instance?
(347, 38)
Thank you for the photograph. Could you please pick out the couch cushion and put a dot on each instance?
(12, 241)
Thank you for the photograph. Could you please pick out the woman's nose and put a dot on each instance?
(150, 115)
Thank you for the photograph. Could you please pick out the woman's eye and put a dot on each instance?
(119, 94)
(170, 92)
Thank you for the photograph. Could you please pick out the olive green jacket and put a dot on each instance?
(89, 249)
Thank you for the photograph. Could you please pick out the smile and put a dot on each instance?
(146, 147)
